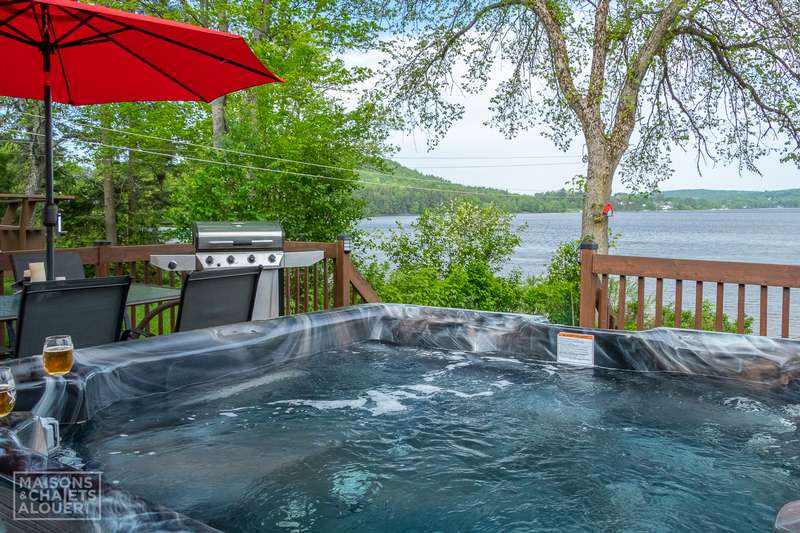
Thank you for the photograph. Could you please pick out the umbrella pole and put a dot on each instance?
(50, 209)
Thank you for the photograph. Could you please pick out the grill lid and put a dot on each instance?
(237, 236)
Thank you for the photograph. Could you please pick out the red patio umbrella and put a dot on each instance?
(65, 51)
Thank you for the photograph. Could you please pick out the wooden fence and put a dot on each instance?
(333, 282)
(597, 269)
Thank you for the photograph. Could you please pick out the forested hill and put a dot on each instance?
(408, 192)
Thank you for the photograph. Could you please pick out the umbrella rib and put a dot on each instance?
(17, 38)
(64, 75)
(73, 29)
(189, 47)
(22, 36)
(139, 57)
(94, 39)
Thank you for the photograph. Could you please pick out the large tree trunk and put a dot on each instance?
(35, 177)
(219, 123)
(600, 176)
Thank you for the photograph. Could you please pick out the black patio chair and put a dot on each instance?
(68, 264)
(88, 310)
(217, 297)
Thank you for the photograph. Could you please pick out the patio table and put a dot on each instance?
(139, 293)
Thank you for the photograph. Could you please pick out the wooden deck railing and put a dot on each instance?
(333, 282)
(597, 269)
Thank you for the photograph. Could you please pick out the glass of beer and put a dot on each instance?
(57, 356)
(8, 391)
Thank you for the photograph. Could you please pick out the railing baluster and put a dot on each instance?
(621, 303)
(145, 311)
(132, 316)
(603, 305)
(678, 302)
(659, 319)
(640, 303)
(720, 302)
(698, 305)
(296, 290)
(172, 312)
(316, 287)
(785, 313)
(740, 310)
(305, 291)
(325, 283)
(762, 317)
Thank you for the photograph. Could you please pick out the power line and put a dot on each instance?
(307, 163)
(476, 158)
(287, 172)
(555, 164)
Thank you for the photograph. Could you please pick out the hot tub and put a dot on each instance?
(404, 418)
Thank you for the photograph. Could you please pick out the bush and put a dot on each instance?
(452, 257)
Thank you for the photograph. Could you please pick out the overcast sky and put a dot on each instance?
(531, 163)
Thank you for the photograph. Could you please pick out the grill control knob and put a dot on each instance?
(172, 265)
(231, 259)
(271, 258)
(209, 260)
(251, 258)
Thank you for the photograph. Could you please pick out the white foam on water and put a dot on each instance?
(384, 403)
(470, 395)
(742, 403)
(324, 405)
(424, 389)
(228, 414)
(502, 359)
(501, 384)
(762, 442)
(792, 410)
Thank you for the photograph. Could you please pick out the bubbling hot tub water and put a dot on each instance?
(379, 437)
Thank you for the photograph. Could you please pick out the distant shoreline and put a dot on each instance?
(382, 215)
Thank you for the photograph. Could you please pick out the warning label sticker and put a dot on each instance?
(575, 349)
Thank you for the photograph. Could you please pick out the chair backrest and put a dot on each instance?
(217, 297)
(88, 310)
(68, 264)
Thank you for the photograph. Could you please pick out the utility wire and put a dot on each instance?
(498, 192)
(308, 163)
(472, 157)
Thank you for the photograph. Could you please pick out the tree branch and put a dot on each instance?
(625, 114)
(561, 64)
(599, 54)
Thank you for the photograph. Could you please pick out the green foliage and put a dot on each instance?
(320, 116)
(556, 295)
(469, 286)
(456, 233)
(450, 257)
(708, 319)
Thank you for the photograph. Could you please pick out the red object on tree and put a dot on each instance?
(608, 210)
(65, 51)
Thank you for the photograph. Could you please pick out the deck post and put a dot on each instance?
(588, 285)
(341, 285)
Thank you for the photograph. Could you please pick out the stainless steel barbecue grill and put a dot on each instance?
(219, 245)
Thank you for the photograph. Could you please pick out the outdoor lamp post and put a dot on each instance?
(347, 242)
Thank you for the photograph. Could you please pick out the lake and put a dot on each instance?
(753, 235)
